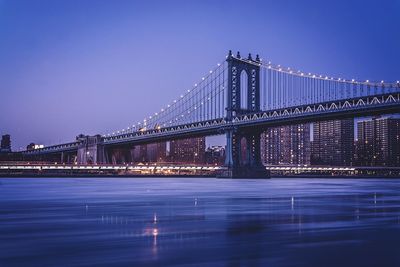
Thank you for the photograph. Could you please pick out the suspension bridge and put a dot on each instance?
(240, 98)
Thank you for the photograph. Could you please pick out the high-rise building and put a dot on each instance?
(333, 143)
(286, 145)
(190, 150)
(5, 143)
(378, 142)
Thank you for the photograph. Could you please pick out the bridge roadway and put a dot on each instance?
(356, 107)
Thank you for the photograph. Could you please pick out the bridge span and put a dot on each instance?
(240, 98)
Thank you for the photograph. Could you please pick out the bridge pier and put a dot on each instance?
(247, 163)
(91, 150)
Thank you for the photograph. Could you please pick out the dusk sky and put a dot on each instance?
(71, 67)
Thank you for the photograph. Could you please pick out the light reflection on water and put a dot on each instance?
(199, 222)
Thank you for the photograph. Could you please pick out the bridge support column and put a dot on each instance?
(248, 167)
(232, 149)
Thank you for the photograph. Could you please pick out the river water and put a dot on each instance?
(199, 222)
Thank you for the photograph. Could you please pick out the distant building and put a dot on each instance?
(286, 145)
(155, 152)
(5, 145)
(378, 142)
(139, 153)
(215, 155)
(190, 150)
(333, 143)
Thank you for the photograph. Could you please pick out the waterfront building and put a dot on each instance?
(155, 152)
(5, 145)
(191, 150)
(378, 142)
(333, 143)
(286, 145)
(215, 155)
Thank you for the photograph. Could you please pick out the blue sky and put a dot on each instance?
(70, 67)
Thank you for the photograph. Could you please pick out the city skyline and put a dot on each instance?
(374, 143)
(61, 58)
(219, 140)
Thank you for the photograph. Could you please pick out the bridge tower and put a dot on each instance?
(241, 101)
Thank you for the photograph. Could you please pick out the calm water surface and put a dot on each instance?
(199, 222)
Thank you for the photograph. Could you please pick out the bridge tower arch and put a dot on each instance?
(251, 166)
(244, 90)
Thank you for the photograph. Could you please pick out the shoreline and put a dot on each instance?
(33, 170)
(94, 175)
